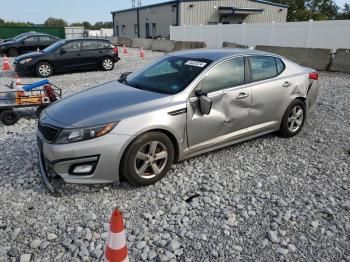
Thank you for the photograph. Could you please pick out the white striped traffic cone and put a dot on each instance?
(116, 248)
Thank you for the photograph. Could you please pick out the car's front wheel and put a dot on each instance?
(147, 159)
(293, 119)
(107, 64)
(13, 52)
(44, 69)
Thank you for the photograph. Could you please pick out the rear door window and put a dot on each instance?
(224, 75)
(90, 45)
(263, 67)
(103, 44)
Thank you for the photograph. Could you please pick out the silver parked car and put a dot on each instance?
(181, 105)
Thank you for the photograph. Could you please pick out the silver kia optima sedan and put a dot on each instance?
(183, 104)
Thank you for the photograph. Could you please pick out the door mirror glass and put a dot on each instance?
(63, 51)
(204, 102)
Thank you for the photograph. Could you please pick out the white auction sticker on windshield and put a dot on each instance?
(195, 63)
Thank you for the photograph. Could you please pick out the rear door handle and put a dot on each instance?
(286, 84)
(242, 95)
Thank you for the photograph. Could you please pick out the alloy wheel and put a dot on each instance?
(107, 64)
(295, 118)
(151, 159)
(44, 70)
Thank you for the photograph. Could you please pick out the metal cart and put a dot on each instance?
(39, 94)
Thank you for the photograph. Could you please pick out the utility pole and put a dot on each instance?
(139, 2)
(133, 4)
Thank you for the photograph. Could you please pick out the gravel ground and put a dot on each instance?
(268, 199)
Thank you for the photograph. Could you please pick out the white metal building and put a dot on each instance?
(155, 20)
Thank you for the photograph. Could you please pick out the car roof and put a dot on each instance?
(217, 54)
(38, 34)
(86, 39)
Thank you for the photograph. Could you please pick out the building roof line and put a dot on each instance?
(177, 1)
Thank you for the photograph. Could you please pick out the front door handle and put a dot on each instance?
(242, 95)
(286, 84)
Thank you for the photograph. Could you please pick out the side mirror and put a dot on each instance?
(205, 102)
(63, 51)
(123, 76)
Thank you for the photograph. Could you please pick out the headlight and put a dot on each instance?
(25, 61)
(77, 135)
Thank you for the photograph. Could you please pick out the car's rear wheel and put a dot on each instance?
(147, 159)
(13, 52)
(9, 117)
(293, 119)
(107, 64)
(44, 69)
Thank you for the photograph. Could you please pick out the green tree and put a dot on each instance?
(345, 14)
(51, 21)
(303, 10)
(87, 25)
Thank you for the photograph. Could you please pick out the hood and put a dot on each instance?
(29, 55)
(109, 102)
(6, 42)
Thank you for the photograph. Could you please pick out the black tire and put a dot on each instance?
(292, 128)
(107, 64)
(44, 69)
(13, 52)
(130, 162)
(9, 117)
(39, 110)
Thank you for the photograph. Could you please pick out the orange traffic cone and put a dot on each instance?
(6, 64)
(18, 82)
(125, 51)
(142, 53)
(116, 248)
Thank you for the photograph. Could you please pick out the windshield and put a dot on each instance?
(169, 75)
(54, 47)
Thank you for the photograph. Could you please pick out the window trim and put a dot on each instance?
(250, 68)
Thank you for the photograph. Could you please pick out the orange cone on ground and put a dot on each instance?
(142, 53)
(125, 51)
(6, 64)
(18, 82)
(116, 248)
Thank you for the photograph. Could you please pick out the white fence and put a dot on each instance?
(74, 32)
(321, 34)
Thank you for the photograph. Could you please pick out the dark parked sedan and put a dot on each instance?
(27, 42)
(68, 56)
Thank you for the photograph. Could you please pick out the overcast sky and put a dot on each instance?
(37, 11)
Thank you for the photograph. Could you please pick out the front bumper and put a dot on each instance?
(104, 152)
(24, 69)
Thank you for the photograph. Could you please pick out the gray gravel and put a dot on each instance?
(267, 199)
